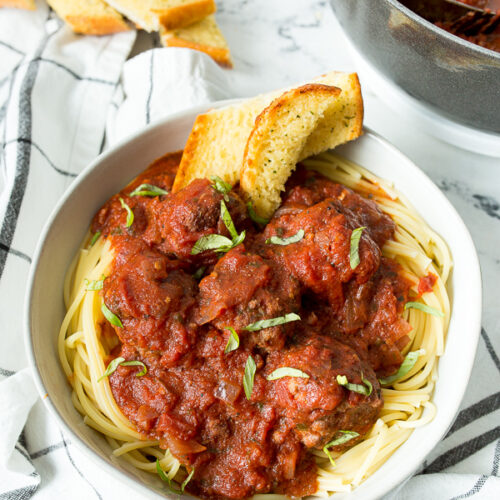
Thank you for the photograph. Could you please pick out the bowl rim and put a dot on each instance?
(441, 32)
(389, 483)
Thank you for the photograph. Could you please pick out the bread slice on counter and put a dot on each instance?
(277, 140)
(19, 4)
(152, 15)
(90, 17)
(216, 144)
(204, 36)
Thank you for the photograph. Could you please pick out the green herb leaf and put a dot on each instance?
(94, 285)
(148, 190)
(329, 455)
(276, 240)
(354, 253)
(214, 242)
(226, 217)
(221, 186)
(233, 342)
(199, 272)
(112, 318)
(267, 323)
(166, 479)
(425, 308)
(96, 236)
(344, 438)
(186, 481)
(111, 368)
(253, 215)
(136, 363)
(285, 371)
(361, 389)
(407, 364)
(121, 362)
(248, 377)
(130, 214)
(239, 239)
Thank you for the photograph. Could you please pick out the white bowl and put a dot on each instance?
(110, 172)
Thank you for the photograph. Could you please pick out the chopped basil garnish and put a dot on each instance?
(267, 323)
(329, 455)
(276, 240)
(112, 318)
(354, 253)
(233, 342)
(361, 389)
(186, 481)
(425, 308)
(199, 272)
(136, 363)
(253, 215)
(239, 239)
(96, 236)
(249, 376)
(346, 436)
(94, 285)
(407, 364)
(121, 362)
(226, 217)
(130, 214)
(148, 190)
(214, 242)
(168, 481)
(285, 371)
(217, 242)
(221, 186)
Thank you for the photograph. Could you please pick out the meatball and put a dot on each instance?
(307, 187)
(318, 407)
(244, 288)
(193, 212)
(320, 260)
(152, 297)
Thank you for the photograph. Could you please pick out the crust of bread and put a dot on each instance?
(90, 17)
(152, 15)
(19, 4)
(205, 36)
(88, 25)
(216, 145)
(184, 15)
(277, 140)
(219, 55)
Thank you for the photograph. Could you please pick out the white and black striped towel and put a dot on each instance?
(58, 93)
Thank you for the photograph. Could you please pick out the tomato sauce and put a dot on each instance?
(490, 37)
(426, 283)
(175, 308)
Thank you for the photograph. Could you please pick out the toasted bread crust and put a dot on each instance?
(218, 54)
(217, 142)
(281, 128)
(352, 99)
(184, 15)
(90, 25)
(184, 173)
(19, 4)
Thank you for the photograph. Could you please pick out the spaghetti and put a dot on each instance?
(84, 349)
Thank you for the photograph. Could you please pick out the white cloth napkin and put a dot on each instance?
(58, 94)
